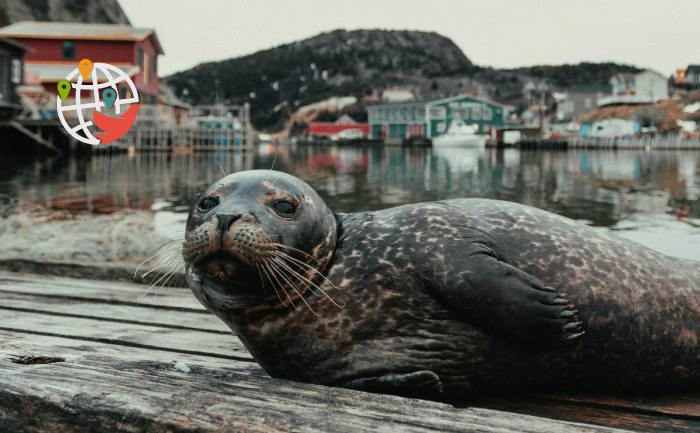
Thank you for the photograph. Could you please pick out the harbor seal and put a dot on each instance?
(438, 300)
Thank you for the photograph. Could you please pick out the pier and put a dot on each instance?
(151, 133)
(629, 143)
(89, 348)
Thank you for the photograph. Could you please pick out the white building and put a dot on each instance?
(646, 87)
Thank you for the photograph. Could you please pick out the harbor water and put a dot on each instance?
(121, 207)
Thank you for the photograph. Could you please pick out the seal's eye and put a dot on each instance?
(209, 203)
(283, 208)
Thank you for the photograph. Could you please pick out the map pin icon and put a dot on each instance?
(85, 67)
(63, 89)
(109, 96)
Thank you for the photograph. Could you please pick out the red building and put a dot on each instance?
(56, 48)
(329, 129)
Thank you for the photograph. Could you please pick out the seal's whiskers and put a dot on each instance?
(261, 271)
(222, 169)
(284, 277)
(273, 272)
(168, 263)
(283, 257)
(304, 253)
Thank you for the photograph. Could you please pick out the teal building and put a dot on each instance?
(432, 118)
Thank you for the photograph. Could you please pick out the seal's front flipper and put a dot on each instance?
(420, 384)
(492, 293)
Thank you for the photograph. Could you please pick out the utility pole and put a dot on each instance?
(542, 89)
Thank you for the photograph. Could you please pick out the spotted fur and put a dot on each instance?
(464, 289)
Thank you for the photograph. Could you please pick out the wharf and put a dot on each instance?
(80, 354)
(628, 143)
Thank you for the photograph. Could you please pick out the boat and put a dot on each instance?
(460, 134)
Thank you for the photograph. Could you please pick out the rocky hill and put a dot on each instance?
(87, 11)
(362, 63)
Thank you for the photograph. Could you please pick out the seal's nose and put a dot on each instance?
(225, 222)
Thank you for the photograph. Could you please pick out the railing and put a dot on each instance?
(155, 130)
(186, 139)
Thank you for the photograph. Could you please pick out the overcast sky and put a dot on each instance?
(661, 35)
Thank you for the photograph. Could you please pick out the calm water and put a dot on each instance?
(650, 197)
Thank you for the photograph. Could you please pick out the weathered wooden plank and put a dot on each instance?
(86, 308)
(105, 291)
(125, 334)
(16, 344)
(675, 405)
(616, 417)
(94, 392)
(65, 317)
(77, 269)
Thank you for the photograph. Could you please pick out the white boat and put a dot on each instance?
(460, 134)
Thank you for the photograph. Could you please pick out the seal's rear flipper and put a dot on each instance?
(489, 292)
(420, 384)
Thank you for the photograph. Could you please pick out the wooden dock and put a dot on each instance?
(81, 354)
(642, 143)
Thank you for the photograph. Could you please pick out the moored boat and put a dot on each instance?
(460, 134)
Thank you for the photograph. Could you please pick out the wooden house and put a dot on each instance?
(57, 47)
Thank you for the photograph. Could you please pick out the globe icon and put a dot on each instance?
(76, 115)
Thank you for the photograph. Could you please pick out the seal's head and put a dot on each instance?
(254, 227)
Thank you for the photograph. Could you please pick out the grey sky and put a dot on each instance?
(500, 33)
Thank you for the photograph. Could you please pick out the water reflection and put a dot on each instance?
(623, 190)
(601, 187)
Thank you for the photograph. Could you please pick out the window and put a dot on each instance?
(68, 49)
(154, 66)
(488, 113)
(139, 56)
(16, 71)
(476, 112)
(588, 103)
(146, 70)
(438, 113)
(459, 113)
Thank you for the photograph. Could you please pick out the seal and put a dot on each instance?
(438, 300)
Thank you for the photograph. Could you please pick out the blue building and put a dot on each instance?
(432, 118)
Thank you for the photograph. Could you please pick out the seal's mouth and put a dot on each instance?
(219, 266)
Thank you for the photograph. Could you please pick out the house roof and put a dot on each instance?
(167, 97)
(631, 75)
(589, 88)
(85, 31)
(14, 44)
(666, 113)
(464, 95)
(613, 112)
(428, 102)
(55, 72)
